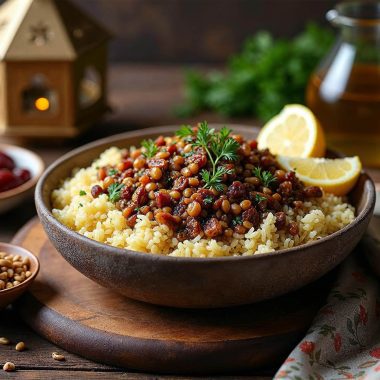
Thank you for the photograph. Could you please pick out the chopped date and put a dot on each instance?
(237, 191)
(193, 228)
(293, 228)
(162, 199)
(96, 190)
(126, 193)
(206, 197)
(158, 163)
(251, 215)
(273, 204)
(127, 173)
(128, 163)
(213, 228)
(168, 219)
(140, 196)
(179, 208)
(290, 176)
(312, 192)
(197, 158)
(131, 221)
(160, 141)
(181, 183)
(286, 188)
(172, 149)
(280, 220)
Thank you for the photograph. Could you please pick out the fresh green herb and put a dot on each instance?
(82, 192)
(267, 74)
(208, 200)
(214, 180)
(259, 198)
(185, 131)
(218, 146)
(114, 191)
(80, 204)
(137, 209)
(266, 177)
(150, 148)
(189, 154)
(236, 221)
(112, 172)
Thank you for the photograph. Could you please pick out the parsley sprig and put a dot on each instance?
(236, 221)
(185, 131)
(208, 200)
(214, 180)
(259, 198)
(114, 191)
(112, 171)
(150, 148)
(218, 146)
(266, 177)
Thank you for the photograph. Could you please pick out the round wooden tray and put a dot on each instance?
(82, 317)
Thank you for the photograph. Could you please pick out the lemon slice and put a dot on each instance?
(294, 132)
(337, 176)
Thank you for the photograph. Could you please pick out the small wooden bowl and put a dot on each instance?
(8, 296)
(26, 159)
(194, 282)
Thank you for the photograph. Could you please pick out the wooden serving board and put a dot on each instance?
(75, 313)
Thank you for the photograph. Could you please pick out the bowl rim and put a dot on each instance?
(367, 209)
(32, 256)
(30, 182)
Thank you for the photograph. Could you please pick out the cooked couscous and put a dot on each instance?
(177, 197)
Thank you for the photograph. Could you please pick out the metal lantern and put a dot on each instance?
(53, 61)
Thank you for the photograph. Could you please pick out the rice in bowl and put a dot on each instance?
(100, 219)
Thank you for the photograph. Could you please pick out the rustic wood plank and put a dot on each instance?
(39, 350)
(36, 363)
(83, 317)
(90, 375)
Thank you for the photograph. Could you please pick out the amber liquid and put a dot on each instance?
(349, 111)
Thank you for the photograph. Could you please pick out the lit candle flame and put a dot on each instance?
(42, 104)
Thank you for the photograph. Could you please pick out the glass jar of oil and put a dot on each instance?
(344, 91)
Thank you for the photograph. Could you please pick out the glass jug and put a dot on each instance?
(344, 91)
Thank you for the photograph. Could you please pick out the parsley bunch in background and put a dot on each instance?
(267, 74)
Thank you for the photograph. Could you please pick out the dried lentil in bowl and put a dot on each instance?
(14, 270)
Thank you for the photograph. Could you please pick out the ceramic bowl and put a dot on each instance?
(23, 158)
(8, 296)
(194, 282)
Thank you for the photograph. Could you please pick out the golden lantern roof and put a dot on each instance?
(46, 30)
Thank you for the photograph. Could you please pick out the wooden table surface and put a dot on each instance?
(140, 96)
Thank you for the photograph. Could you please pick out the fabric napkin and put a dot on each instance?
(344, 339)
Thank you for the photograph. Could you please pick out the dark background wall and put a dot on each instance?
(196, 30)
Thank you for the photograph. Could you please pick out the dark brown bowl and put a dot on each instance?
(194, 282)
(8, 296)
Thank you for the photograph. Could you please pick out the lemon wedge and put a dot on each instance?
(337, 176)
(294, 132)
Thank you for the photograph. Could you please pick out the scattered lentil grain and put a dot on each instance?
(9, 367)
(20, 346)
(4, 340)
(57, 356)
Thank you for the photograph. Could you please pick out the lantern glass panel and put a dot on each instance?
(38, 97)
(90, 88)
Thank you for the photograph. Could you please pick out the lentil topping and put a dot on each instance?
(203, 182)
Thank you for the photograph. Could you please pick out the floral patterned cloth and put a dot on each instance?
(344, 339)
